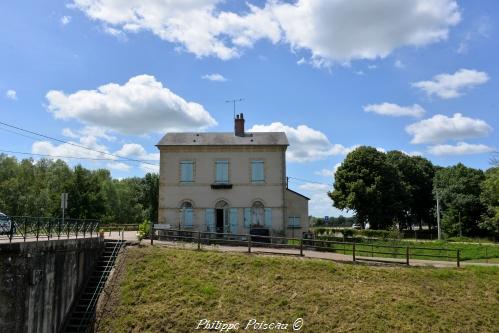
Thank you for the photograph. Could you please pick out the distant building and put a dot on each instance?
(229, 182)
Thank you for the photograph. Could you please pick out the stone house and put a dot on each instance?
(229, 182)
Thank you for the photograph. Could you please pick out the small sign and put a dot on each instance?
(326, 218)
(162, 226)
(64, 200)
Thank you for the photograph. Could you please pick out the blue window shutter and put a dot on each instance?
(257, 168)
(268, 217)
(209, 219)
(188, 217)
(225, 168)
(233, 220)
(186, 171)
(222, 171)
(247, 217)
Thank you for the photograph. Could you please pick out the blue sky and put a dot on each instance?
(115, 75)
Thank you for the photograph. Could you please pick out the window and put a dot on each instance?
(186, 171)
(293, 222)
(257, 171)
(222, 172)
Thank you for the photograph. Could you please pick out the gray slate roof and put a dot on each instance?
(223, 139)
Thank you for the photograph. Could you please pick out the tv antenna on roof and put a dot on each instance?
(234, 101)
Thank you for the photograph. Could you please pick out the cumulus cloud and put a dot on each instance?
(332, 31)
(214, 77)
(141, 105)
(441, 128)
(65, 20)
(462, 148)
(118, 166)
(11, 94)
(328, 172)
(448, 86)
(399, 64)
(137, 151)
(390, 109)
(306, 144)
(98, 153)
(336, 30)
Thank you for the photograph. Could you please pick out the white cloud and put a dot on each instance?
(462, 148)
(328, 172)
(11, 94)
(305, 144)
(196, 25)
(214, 77)
(399, 64)
(336, 30)
(441, 128)
(390, 109)
(372, 66)
(140, 106)
(118, 166)
(137, 151)
(65, 20)
(448, 86)
(332, 31)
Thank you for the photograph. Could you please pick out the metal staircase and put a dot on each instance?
(83, 312)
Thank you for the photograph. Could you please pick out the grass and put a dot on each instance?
(170, 290)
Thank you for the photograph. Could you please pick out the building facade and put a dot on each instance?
(228, 182)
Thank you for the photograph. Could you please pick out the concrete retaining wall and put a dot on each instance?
(40, 280)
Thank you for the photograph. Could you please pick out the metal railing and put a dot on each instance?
(358, 250)
(46, 228)
(89, 313)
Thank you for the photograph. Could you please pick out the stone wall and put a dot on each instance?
(40, 280)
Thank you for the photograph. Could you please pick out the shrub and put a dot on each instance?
(144, 229)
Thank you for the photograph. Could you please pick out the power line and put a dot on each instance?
(74, 144)
(309, 181)
(58, 156)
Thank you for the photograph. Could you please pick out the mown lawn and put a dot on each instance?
(170, 290)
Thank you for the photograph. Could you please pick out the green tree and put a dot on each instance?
(459, 189)
(367, 184)
(490, 199)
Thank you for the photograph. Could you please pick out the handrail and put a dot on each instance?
(355, 248)
(100, 284)
(50, 227)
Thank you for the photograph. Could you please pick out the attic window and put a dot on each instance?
(251, 140)
(194, 140)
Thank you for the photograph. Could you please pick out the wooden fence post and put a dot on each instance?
(301, 246)
(151, 233)
(249, 243)
(199, 240)
(407, 255)
(458, 257)
(353, 251)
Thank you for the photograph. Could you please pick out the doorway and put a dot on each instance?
(221, 218)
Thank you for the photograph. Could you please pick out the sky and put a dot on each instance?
(418, 76)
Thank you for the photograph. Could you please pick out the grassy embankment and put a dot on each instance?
(170, 290)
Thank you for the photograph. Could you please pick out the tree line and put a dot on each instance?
(29, 188)
(394, 189)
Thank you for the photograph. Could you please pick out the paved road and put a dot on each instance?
(132, 236)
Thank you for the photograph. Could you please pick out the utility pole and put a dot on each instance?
(234, 101)
(438, 217)
(64, 204)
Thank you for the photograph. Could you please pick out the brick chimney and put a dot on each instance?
(239, 125)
